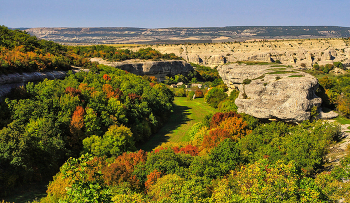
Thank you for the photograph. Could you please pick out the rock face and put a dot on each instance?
(159, 69)
(10, 81)
(301, 53)
(273, 92)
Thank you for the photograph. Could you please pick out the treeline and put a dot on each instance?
(230, 158)
(20, 52)
(114, 54)
(104, 113)
(335, 93)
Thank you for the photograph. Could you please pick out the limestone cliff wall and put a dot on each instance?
(298, 53)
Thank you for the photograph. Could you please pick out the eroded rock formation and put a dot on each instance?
(159, 69)
(301, 53)
(272, 92)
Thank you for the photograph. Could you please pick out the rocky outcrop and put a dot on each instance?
(272, 92)
(159, 69)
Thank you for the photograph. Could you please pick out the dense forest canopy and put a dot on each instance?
(84, 129)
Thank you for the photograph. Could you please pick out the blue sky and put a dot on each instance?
(175, 13)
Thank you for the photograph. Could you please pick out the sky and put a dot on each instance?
(174, 13)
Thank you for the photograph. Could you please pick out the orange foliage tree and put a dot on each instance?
(188, 149)
(236, 127)
(152, 178)
(214, 138)
(76, 127)
(122, 169)
(219, 117)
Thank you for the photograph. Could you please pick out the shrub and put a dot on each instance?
(247, 81)
(214, 96)
(190, 95)
(180, 92)
(199, 94)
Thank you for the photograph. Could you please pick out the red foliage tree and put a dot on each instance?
(219, 117)
(73, 92)
(122, 169)
(236, 127)
(189, 149)
(214, 138)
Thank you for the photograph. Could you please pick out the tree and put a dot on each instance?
(214, 96)
(115, 141)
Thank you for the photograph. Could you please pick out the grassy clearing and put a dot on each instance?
(186, 113)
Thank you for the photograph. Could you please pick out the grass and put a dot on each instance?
(342, 120)
(186, 113)
(296, 76)
(277, 69)
(281, 72)
(280, 66)
(255, 63)
(260, 77)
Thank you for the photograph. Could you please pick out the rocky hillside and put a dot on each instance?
(298, 53)
(272, 92)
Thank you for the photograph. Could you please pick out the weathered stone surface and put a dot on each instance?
(328, 115)
(159, 69)
(272, 95)
(288, 52)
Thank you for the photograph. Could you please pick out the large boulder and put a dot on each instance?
(272, 92)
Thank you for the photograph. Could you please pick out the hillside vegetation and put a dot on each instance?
(84, 130)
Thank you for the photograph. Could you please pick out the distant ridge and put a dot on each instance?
(115, 35)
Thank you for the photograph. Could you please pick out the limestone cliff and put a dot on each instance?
(272, 92)
(301, 53)
(159, 69)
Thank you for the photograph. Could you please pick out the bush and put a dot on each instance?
(214, 96)
(180, 92)
(247, 81)
(199, 94)
(190, 95)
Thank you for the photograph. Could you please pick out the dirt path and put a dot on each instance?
(339, 149)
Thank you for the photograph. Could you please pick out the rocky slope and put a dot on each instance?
(301, 53)
(159, 69)
(272, 92)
